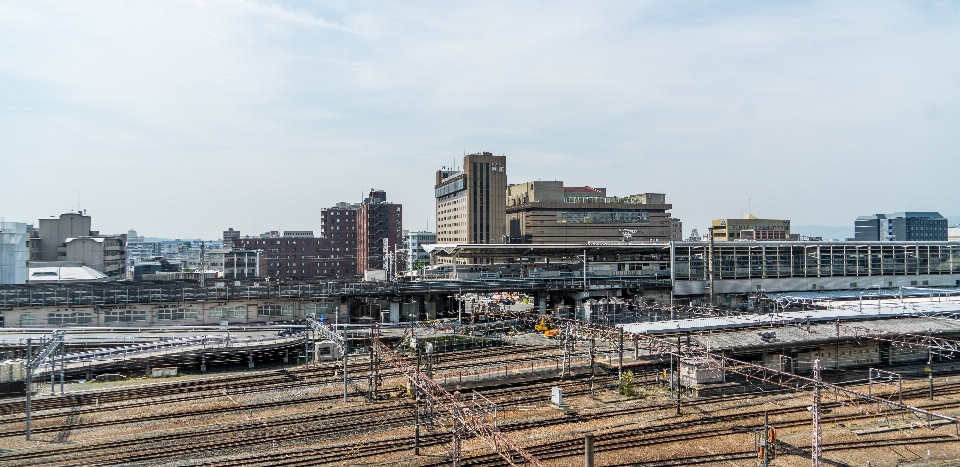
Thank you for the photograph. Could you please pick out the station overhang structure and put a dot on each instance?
(547, 251)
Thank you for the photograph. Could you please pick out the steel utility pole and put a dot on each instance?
(816, 450)
(766, 439)
(345, 343)
(678, 375)
(710, 266)
(29, 383)
(584, 270)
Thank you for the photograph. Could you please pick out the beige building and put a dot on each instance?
(750, 228)
(470, 201)
(105, 254)
(544, 212)
(69, 238)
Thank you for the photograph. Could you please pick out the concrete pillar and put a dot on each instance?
(203, 363)
(286, 356)
(250, 365)
(541, 305)
(343, 313)
(394, 312)
(431, 309)
(587, 310)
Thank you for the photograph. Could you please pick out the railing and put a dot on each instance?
(105, 295)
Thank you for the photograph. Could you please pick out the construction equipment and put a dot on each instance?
(545, 324)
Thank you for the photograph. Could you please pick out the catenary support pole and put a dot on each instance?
(620, 369)
(816, 450)
(588, 450)
(29, 383)
(344, 363)
(766, 439)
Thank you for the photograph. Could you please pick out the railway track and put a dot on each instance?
(225, 442)
(286, 429)
(276, 380)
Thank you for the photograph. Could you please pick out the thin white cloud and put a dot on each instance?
(712, 103)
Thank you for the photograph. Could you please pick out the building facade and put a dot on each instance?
(13, 253)
(750, 228)
(105, 254)
(545, 212)
(229, 236)
(339, 229)
(69, 238)
(676, 230)
(471, 202)
(292, 257)
(413, 245)
(379, 235)
(902, 226)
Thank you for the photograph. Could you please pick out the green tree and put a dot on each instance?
(626, 383)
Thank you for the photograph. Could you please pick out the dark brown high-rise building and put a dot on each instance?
(378, 232)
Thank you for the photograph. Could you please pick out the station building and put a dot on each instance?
(547, 212)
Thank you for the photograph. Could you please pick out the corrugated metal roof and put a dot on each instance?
(64, 274)
(843, 311)
(820, 333)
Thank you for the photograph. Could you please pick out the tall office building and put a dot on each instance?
(901, 227)
(471, 201)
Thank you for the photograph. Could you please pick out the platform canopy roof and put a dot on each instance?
(506, 250)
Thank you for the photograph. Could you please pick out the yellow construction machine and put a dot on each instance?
(545, 325)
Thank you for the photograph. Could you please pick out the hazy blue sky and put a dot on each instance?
(181, 119)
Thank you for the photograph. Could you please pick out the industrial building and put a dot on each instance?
(902, 226)
(547, 212)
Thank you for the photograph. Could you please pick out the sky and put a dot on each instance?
(183, 118)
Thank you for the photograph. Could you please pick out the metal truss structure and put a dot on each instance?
(340, 341)
(49, 346)
(748, 370)
(903, 339)
(470, 417)
(758, 373)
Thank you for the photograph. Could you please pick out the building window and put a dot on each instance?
(27, 320)
(227, 312)
(124, 316)
(69, 318)
(166, 314)
(275, 310)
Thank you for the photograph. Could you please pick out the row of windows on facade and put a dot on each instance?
(171, 314)
(304, 271)
(277, 265)
(280, 242)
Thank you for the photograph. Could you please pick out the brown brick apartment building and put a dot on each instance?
(379, 230)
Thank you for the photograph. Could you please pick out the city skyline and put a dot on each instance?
(182, 119)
